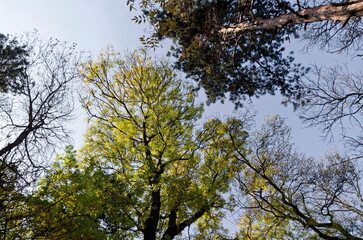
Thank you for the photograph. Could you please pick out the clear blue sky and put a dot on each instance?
(95, 24)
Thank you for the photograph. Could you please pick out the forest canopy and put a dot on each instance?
(153, 165)
(238, 48)
(150, 170)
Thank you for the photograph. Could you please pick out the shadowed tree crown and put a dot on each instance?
(237, 47)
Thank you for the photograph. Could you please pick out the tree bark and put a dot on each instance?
(342, 12)
(151, 223)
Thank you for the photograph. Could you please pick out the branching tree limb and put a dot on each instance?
(330, 12)
(33, 124)
(334, 98)
(284, 186)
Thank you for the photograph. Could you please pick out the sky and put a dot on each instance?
(96, 24)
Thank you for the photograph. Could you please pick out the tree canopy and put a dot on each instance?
(151, 167)
(153, 173)
(237, 47)
(13, 63)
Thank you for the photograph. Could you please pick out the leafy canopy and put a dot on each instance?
(153, 174)
(249, 64)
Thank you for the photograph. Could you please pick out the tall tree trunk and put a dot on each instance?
(151, 223)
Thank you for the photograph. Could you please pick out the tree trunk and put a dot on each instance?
(151, 223)
(331, 12)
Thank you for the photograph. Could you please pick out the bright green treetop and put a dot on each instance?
(153, 173)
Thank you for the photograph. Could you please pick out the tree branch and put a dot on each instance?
(329, 12)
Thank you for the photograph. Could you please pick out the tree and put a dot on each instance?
(33, 116)
(298, 197)
(150, 172)
(67, 204)
(237, 47)
(13, 62)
